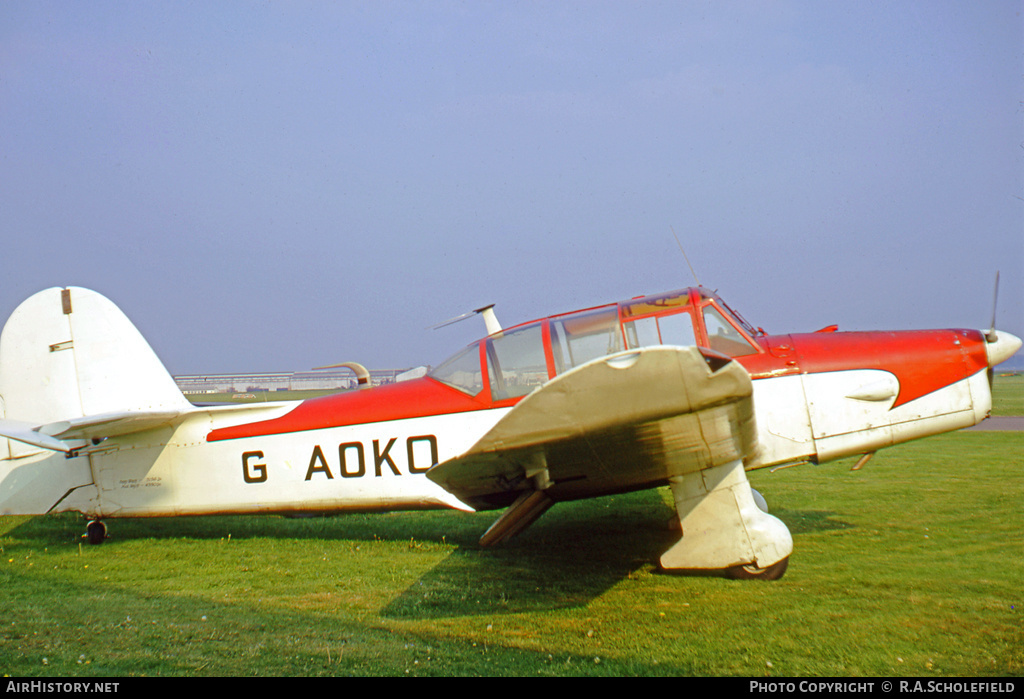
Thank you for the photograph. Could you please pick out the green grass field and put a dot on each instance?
(912, 566)
(1008, 395)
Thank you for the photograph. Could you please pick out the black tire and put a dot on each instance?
(772, 572)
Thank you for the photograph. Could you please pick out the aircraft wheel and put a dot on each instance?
(772, 572)
(96, 531)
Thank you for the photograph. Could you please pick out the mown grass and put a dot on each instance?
(913, 565)
(1008, 394)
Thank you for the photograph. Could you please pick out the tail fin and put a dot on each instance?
(70, 353)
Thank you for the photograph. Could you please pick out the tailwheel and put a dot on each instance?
(96, 532)
(752, 572)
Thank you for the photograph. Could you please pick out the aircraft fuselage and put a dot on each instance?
(816, 397)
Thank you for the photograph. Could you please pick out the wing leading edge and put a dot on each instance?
(681, 416)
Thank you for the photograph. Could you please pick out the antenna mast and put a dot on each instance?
(685, 257)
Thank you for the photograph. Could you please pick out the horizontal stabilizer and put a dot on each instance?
(111, 424)
(69, 435)
(27, 433)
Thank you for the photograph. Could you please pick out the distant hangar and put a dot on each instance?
(340, 379)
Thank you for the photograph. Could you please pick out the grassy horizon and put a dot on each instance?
(911, 566)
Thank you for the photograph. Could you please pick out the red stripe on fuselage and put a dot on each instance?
(407, 399)
(923, 361)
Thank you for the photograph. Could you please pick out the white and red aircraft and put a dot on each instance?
(673, 389)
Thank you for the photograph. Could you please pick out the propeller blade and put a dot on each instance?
(991, 335)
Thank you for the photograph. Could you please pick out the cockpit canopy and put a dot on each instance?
(511, 363)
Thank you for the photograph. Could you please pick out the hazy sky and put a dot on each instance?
(272, 186)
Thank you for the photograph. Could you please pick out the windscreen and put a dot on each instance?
(723, 337)
(462, 371)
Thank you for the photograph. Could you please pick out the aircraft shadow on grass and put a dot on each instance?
(810, 521)
(560, 563)
(572, 556)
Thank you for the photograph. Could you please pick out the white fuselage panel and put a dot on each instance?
(831, 415)
(369, 467)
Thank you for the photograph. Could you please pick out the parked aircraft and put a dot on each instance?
(673, 389)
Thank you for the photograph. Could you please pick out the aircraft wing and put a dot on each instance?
(627, 421)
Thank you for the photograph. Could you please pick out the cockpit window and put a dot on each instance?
(675, 329)
(516, 362)
(462, 371)
(723, 337)
(579, 337)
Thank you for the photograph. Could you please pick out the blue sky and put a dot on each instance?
(272, 186)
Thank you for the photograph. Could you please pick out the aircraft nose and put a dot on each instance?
(1002, 348)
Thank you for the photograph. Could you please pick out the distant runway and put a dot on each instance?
(1000, 423)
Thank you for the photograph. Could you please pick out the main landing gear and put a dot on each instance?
(726, 527)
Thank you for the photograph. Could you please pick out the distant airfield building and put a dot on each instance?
(328, 379)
